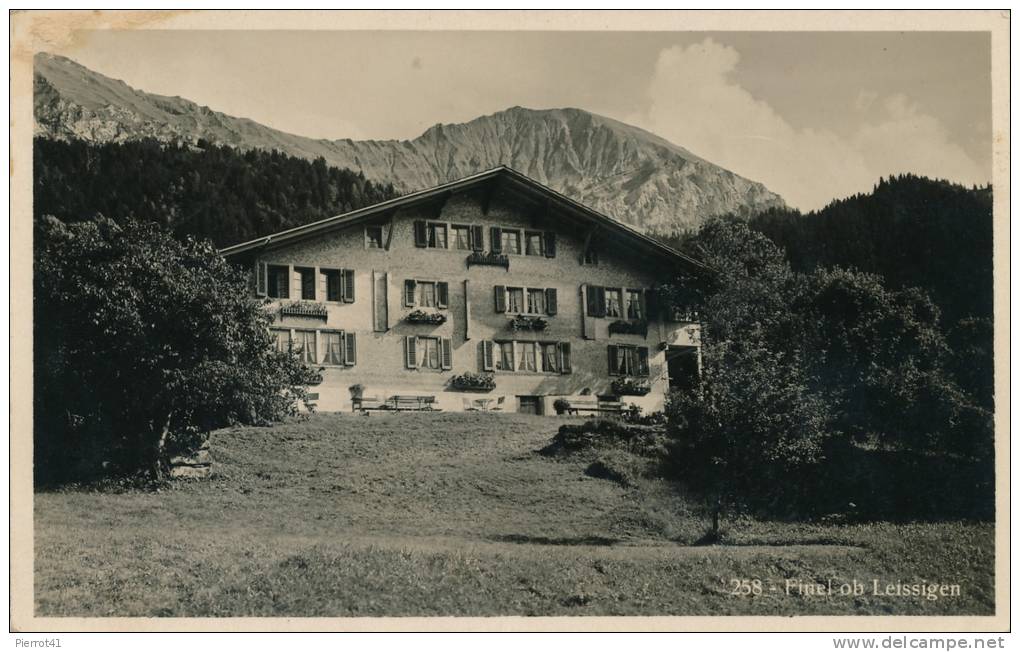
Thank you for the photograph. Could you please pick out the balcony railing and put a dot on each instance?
(304, 309)
(488, 258)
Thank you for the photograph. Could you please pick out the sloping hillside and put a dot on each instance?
(618, 169)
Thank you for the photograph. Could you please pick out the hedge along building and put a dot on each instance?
(494, 275)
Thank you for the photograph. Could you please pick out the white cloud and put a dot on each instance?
(694, 103)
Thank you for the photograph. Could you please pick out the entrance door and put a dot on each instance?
(529, 404)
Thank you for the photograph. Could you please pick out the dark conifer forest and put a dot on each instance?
(208, 191)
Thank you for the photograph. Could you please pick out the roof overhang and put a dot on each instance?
(550, 201)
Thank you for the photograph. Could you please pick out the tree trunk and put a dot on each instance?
(159, 459)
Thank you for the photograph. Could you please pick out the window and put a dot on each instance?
(537, 301)
(526, 356)
(550, 357)
(511, 241)
(332, 345)
(337, 285)
(533, 301)
(591, 256)
(333, 281)
(504, 356)
(436, 235)
(534, 244)
(613, 302)
(628, 360)
(461, 237)
(374, 237)
(515, 299)
(634, 309)
(281, 339)
(307, 276)
(428, 352)
(304, 346)
(426, 294)
(279, 282)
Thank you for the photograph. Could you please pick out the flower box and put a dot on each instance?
(488, 258)
(473, 382)
(631, 387)
(422, 317)
(527, 323)
(622, 327)
(304, 309)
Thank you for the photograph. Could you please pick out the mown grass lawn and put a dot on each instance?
(457, 514)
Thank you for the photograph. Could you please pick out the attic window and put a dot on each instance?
(374, 237)
(591, 256)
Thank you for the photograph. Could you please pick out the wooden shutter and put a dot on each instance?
(564, 348)
(261, 279)
(420, 234)
(600, 302)
(550, 301)
(323, 289)
(500, 298)
(613, 359)
(477, 237)
(350, 349)
(642, 360)
(550, 244)
(411, 351)
(348, 285)
(442, 294)
(487, 364)
(283, 282)
(409, 286)
(447, 353)
(592, 301)
(496, 245)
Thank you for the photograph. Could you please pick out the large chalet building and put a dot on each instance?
(490, 291)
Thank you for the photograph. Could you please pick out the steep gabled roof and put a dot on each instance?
(552, 201)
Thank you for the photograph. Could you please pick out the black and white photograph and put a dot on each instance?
(589, 315)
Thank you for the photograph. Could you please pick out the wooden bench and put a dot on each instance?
(580, 404)
(412, 403)
(366, 403)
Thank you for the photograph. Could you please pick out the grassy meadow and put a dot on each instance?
(459, 514)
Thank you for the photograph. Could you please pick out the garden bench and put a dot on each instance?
(593, 404)
(412, 403)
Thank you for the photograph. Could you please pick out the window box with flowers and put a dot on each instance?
(528, 323)
(304, 309)
(423, 317)
(631, 387)
(488, 258)
(473, 382)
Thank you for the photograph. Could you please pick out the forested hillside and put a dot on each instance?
(912, 231)
(209, 191)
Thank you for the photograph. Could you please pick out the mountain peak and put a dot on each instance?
(616, 168)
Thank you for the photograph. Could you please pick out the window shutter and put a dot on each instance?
(409, 292)
(420, 235)
(497, 240)
(600, 302)
(500, 298)
(261, 281)
(550, 301)
(447, 353)
(348, 289)
(592, 299)
(411, 351)
(283, 282)
(350, 350)
(564, 348)
(477, 237)
(642, 355)
(487, 355)
(550, 244)
(323, 293)
(613, 359)
(442, 294)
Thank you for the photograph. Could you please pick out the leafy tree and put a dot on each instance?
(143, 343)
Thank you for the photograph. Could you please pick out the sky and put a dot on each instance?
(814, 116)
